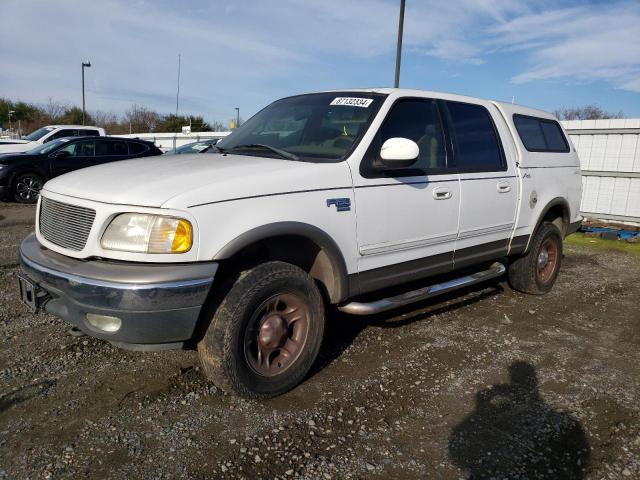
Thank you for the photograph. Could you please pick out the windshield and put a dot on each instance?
(48, 147)
(315, 127)
(38, 134)
(195, 147)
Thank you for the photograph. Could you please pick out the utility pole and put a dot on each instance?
(11, 112)
(178, 92)
(86, 64)
(396, 83)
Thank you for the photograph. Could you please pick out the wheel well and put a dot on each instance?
(297, 250)
(558, 214)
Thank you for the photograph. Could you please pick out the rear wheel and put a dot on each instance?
(26, 187)
(266, 333)
(536, 272)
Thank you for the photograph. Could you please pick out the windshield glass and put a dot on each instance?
(315, 127)
(48, 147)
(195, 147)
(38, 134)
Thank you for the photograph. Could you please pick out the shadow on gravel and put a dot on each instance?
(25, 393)
(513, 433)
(342, 329)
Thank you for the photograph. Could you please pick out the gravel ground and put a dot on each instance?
(488, 383)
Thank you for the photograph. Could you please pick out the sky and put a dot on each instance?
(247, 53)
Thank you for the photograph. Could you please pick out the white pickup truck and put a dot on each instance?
(319, 201)
(46, 134)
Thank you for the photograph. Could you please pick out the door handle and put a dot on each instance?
(504, 187)
(442, 193)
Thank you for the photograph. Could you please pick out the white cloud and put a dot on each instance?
(582, 43)
(252, 51)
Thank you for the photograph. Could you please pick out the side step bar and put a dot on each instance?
(359, 308)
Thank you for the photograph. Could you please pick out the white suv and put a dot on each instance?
(319, 200)
(46, 134)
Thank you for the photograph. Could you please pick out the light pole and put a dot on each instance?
(86, 64)
(396, 83)
(237, 117)
(11, 112)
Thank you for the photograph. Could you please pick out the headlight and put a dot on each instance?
(137, 232)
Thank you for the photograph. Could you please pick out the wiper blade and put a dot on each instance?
(279, 151)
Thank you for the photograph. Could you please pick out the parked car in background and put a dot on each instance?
(47, 134)
(22, 175)
(202, 146)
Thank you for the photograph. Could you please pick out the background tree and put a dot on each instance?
(173, 123)
(217, 126)
(140, 119)
(110, 122)
(53, 110)
(73, 116)
(586, 112)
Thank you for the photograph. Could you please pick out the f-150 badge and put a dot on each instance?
(342, 204)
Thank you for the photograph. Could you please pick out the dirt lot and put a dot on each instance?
(486, 384)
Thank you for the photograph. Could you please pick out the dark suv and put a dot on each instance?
(22, 175)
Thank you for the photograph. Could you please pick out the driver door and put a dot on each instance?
(407, 219)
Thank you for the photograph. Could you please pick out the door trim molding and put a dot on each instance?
(388, 247)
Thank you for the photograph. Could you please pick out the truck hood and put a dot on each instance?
(17, 146)
(182, 181)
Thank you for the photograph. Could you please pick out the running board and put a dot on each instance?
(359, 308)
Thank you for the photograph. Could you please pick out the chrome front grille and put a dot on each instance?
(65, 225)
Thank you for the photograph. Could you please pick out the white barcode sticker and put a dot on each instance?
(352, 101)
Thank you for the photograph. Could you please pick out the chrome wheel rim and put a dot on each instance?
(28, 188)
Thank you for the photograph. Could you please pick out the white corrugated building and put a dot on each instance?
(609, 152)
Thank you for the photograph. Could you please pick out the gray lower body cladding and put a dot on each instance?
(158, 304)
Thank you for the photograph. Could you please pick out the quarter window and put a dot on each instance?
(474, 137)
(540, 135)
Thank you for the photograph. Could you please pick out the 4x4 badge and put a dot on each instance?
(342, 204)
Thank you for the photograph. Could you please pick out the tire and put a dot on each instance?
(265, 334)
(536, 272)
(26, 187)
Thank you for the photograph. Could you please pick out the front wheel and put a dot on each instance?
(26, 187)
(536, 272)
(266, 333)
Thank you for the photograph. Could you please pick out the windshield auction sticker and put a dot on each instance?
(352, 101)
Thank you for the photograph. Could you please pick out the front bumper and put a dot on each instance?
(158, 304)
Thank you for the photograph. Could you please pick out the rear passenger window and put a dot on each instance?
(89, 133)
(475, 140)
(64, 133)
(540, 135)
(136, 148)
(105, 148)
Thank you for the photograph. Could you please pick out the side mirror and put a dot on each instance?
(61, 154)
(399, 152)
